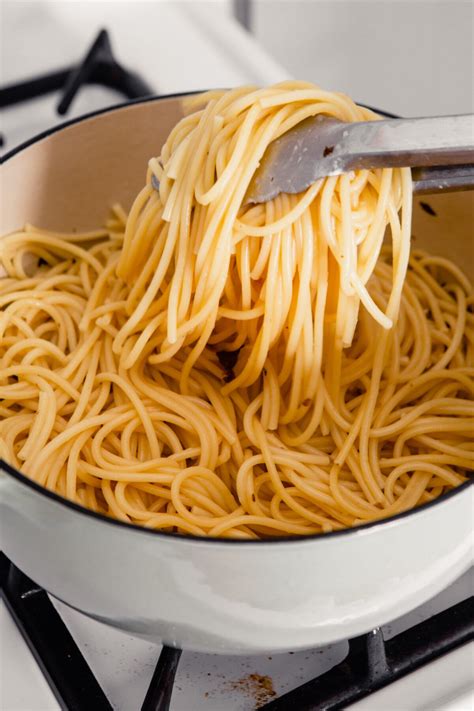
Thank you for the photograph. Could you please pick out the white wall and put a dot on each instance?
(409, 57)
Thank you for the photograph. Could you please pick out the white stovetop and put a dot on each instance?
(124, 665)
(209, 50)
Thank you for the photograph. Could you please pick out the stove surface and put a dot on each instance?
(124, 666)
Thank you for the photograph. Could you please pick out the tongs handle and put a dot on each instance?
(444, 178)
(437, 140)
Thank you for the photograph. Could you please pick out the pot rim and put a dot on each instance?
(7, 469)
(16, 474)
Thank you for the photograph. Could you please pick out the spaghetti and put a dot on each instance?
(221, 369)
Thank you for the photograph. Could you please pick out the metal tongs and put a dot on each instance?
(440, 151)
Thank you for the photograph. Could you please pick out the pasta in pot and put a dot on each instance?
(214, 368)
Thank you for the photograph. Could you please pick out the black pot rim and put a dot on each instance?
(313, 537)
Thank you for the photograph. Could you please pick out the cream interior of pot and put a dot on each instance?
(68, 180)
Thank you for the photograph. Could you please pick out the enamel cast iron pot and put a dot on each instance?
(207, 594)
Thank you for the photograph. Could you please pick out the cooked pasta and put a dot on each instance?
(210, 367)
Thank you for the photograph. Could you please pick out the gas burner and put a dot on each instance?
(370, 664)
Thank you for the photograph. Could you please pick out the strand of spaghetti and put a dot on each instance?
(59, 245)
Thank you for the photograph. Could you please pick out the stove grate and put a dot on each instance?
(70, 677)
(371, 663)
(99, 66)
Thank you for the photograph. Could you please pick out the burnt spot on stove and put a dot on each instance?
(257, 687)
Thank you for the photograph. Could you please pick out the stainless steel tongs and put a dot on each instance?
(439, 149)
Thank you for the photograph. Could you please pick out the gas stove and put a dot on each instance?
(90, 666)
(55, 657)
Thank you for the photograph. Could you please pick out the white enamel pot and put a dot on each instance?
(200, 594)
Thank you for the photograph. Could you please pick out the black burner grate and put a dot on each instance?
(58, 656)
(99, 66)
(371, 663)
